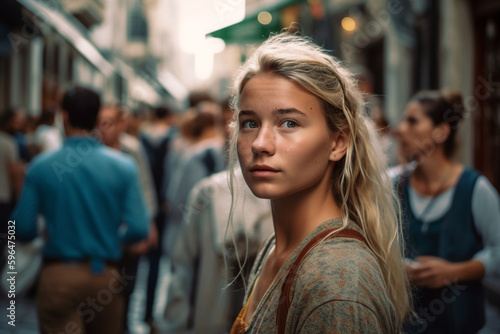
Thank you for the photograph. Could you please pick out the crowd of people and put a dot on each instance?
(283, 209)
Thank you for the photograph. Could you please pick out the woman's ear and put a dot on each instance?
(441, 132)
(339, 147)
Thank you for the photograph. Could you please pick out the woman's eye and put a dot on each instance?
(249, 124)
(411, 121)
(289, 124)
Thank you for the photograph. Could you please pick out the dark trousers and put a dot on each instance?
(154, 256)
(129, 264)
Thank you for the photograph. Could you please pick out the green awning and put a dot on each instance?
(250, 31)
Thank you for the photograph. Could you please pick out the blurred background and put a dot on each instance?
(148, 52)
(145, 53)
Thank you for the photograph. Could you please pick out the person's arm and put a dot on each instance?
(142, 247)
(147, 189)
(486, 213)
(434, 272)
(135, 213)
(26, 211)
(178, 307)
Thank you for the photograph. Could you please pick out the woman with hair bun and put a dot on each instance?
(335, 261)
(451, 216)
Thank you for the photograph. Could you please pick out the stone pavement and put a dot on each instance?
(26, 317)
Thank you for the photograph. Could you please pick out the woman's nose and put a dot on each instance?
(264, 143)
(399, 130)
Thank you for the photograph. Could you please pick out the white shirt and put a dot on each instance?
(48, 138)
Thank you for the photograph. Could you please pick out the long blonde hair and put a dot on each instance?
(360, 184)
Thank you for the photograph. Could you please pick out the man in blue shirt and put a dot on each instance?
(91, 200)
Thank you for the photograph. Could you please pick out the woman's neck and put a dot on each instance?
(75, 132)
(298, 215)
(434, 175)
(432, 168)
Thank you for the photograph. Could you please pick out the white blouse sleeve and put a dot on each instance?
(486, 213)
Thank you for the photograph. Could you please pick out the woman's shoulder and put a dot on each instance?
(341, 267)
(344, 274)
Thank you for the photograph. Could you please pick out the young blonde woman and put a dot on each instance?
(334, 263)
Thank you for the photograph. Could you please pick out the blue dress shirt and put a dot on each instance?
(91, 200)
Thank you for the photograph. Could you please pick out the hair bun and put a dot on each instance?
(454, 98)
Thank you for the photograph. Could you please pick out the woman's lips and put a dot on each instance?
(263, 171)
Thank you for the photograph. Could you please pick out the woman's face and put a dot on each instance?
(415, 133)
(18, 122)
(284, 144)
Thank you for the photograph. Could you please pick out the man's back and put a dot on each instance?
(85, 191)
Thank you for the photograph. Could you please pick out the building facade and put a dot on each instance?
(406, 46)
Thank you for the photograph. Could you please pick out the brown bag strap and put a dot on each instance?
(285, 298)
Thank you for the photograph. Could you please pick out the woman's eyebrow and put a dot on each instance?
(246, 113)
(286, 111)
(277, 111)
